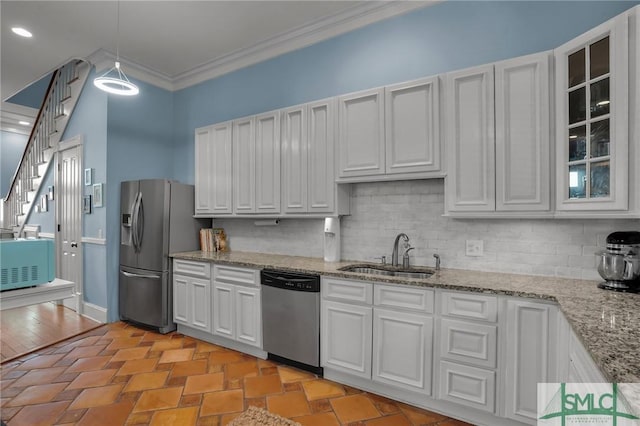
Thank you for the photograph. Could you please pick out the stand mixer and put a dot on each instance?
(619, 263)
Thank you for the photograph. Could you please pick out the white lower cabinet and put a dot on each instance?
(346, 338)
(531, 348)
(219, 303)
(402, 349)
(476, 357)
(192, 295)
(237, 313)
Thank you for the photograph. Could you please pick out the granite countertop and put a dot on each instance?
(607, 322)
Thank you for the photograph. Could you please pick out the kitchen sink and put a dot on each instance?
(390, 271)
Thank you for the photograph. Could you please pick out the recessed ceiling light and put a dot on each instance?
(24, 123)
(22, 32)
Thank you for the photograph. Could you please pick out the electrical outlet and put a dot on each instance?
(475, 248)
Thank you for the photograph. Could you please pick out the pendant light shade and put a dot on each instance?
(115, 81)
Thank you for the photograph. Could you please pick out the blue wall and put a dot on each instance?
(140, 146)
(448, 36)
(11, 149)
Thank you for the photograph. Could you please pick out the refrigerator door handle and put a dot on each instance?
(140, 222)
(131, 275)
(134, 224)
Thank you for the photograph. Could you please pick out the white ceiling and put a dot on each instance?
(169, 39)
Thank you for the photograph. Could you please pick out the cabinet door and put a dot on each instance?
(223, 309)
(220, 168)
(267, 163)
(402, 354)
(361, 134)
(470, 183)
(200, 304)
(592, 90)
(346, 338)
(530, 342)
(244, 156)
(294, 160)
(321, 134)
(180, 299)
(248, 316)
(204, 158)
(522, 133)
(412, 126)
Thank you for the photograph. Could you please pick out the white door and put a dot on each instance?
(361, 133)
(200, 296)
(248, 316)
(322, 180)
(69, 220)
(213, 169)
(267, 163)
(470, 141)
(294, 160)
(223, 310)
(180, 297)
(402, 353)
(203, 170)
(346, 338)
(412, 125)
(530, 342)
(522, 133)
(244, 160)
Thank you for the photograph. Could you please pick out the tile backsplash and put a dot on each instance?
(379, 211)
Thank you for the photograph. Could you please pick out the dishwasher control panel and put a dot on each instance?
(290, 280)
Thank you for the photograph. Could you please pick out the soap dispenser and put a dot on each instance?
(332, 239)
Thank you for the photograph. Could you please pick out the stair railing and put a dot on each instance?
(44, 136)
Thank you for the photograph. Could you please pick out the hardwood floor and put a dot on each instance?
(118, 374)
(26, 329)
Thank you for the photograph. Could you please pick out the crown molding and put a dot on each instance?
(306, 35)
(322, 29)
(104, 60)
(11, 114)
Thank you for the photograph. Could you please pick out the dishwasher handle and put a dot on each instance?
(290, 281)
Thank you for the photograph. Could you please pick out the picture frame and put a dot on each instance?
(88, 174)
(97, 195)
(86, 204)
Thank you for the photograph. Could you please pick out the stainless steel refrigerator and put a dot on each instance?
(156, 218)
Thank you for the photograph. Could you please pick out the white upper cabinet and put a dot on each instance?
(498, 138)
(256, 164)
(267, 163)
(469, 121)
(213, 177)
(412, 127)
(322, 197)
(244, 170)
(390, 133)
(523, 133)
(308, 176)
(361, 133)
(294, 159)
(592, 103)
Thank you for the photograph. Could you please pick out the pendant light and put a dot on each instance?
(115, 81)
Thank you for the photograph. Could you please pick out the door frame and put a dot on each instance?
(71, 143)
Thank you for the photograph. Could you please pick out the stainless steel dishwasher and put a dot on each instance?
(291, 318)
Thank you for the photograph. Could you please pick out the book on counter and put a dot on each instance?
(213, 240)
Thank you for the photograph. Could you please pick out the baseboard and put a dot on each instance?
(95, 312)
(48, 235)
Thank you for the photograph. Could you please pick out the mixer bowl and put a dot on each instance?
(618, 267)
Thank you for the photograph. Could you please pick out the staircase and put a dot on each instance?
(61, 98)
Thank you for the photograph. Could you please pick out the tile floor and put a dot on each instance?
(122, 375)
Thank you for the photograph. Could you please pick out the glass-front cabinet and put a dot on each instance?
(592, 119)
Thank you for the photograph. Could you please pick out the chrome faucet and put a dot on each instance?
(394, 255)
